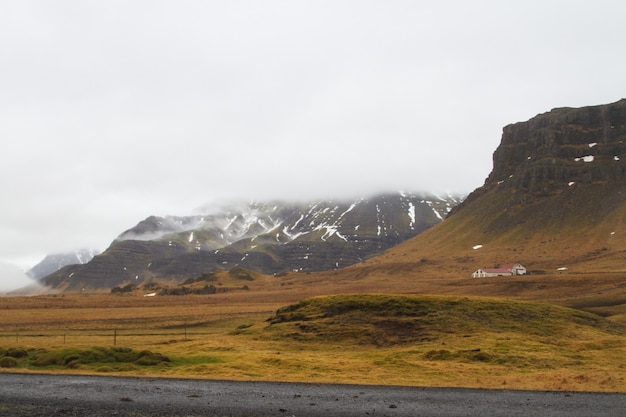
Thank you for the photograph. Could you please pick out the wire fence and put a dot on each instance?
(112, 337)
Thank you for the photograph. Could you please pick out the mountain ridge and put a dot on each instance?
(270, 238)
(53, 262)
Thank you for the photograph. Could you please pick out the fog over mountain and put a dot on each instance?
(12, 278)
(267, 237)
(114, 111)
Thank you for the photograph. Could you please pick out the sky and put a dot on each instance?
(111, 111)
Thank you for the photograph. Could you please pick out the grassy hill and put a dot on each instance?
(352, 338)
(394, 319)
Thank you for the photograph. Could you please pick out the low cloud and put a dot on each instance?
(12, 278)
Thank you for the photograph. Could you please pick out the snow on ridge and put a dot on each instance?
(430, 204)
(378, 220)
(230, 222)
(437, 213)
(330, 231)
(85, 256)
(293, 236)
(352, 206)
(297, 222)
(276, 226)
(412, 215)
(313, 207)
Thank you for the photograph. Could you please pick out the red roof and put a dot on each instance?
(509, 266)
(497, 270)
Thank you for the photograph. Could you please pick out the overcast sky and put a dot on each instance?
(111, 111)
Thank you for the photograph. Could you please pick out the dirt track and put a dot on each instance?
(50, 395)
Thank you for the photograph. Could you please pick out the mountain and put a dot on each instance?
(556, 198)
(53, 263)
(271, 238)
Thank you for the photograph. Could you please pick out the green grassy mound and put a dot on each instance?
(100, 359)
(395, 319)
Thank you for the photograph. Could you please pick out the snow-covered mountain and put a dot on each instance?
(53, 263)
(268, 237)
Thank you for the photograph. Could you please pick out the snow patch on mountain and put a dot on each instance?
(411, 215)
(588, 158)
(385, 219)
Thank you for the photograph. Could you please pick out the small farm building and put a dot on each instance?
(503, 271)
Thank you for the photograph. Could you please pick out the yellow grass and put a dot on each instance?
(225, 337)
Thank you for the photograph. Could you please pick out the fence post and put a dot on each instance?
(115, 337)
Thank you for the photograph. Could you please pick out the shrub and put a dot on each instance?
(438, 355)
(16, 353)
(112, 357)
(73, 364)
(122, 367)
(241, 273)
(8, 362)
(207, 289)
(209, 277)
(147, 358)
(124, 289)
(45, 358)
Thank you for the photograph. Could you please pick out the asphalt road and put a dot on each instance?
(61, 395)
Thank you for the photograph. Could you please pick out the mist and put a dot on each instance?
(13, 278)
(114, 111)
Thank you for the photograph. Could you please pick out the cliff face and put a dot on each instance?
(557, 173)
(559, 149)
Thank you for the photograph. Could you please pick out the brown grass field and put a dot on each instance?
(228, 335)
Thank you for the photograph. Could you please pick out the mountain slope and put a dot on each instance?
(53, 263)
(265, 237)
(556, 198)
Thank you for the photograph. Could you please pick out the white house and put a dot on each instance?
(516, 269)
(503, 271)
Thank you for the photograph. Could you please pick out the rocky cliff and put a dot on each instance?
(559, 149)
(556, 196)
(558, 153)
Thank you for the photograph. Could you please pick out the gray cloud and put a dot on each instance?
(113, 111)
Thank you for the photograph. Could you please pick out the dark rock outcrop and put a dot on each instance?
(564, 147)
(555, 151)
(562, 169)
